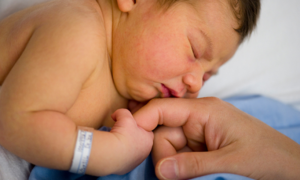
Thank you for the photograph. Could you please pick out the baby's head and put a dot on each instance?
(169, 48)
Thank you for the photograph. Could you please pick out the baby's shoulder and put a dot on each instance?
(76, 17)
(82, 17)
(74, 12)
(68, 25)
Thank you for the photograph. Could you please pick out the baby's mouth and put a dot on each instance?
(166, 92)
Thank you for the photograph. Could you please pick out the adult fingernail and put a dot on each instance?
(168, 169)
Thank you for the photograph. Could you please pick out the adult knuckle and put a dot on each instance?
(198, 165)
(154, 102)
(195, 166)
(214, 100)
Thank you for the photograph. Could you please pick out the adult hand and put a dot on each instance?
(235, 141)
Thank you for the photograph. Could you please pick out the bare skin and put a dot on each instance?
(222, 139)
(43, 125)
(93, 104)
(70, 63)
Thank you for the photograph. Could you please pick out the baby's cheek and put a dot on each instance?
(163, 57)
(159, 68)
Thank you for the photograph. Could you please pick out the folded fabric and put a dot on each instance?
(277, 115)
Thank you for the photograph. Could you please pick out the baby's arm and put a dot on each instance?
(43, 85)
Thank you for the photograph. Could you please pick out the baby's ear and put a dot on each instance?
(126, 5)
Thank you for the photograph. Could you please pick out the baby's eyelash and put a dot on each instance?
(195, 56)
(193, 51)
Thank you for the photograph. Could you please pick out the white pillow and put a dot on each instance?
(268, 63)
(8, 7)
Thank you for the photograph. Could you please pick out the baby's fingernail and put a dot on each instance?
(168, 169)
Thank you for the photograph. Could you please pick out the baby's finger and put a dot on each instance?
(121, 113)
(123, 118)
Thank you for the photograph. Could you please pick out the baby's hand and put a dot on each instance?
(136, 142)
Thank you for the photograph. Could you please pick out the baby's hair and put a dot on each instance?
(245, 11)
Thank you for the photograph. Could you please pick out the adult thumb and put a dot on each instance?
(189, 165)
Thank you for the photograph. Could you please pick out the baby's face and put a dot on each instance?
(172, 53)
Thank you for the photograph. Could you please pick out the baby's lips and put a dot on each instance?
(165, 91)
(168, 92)
(178, 94)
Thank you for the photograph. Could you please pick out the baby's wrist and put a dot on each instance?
(82, 150)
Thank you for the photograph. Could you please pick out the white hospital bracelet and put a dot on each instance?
(82, 150)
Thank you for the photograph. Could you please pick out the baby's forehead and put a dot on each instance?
(244, 13)
(202, 5)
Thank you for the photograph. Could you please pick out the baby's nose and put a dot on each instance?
(193, 82)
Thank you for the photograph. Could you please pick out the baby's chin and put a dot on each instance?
(145, 97)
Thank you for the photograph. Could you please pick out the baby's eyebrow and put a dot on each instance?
(209, 50)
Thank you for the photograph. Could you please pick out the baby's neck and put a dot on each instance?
(110, 14)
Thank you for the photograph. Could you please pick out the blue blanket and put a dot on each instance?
(279, 116)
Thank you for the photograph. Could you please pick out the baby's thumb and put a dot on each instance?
(122, 117)
(188, 165)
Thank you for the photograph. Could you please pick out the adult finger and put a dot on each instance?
(167, 141)
(194, 164)
(172, 112)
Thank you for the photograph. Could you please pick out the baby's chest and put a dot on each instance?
(96, 103)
